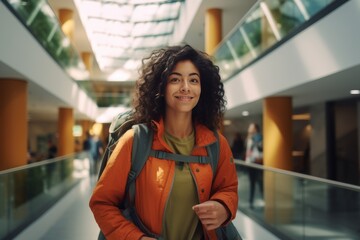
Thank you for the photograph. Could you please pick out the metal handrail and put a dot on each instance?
(298, 175)
(41, 163)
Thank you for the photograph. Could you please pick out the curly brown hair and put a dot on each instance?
(150, 88)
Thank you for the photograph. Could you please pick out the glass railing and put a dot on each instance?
(269, 22)
(298, 206)
(42, 22)
(27, 192)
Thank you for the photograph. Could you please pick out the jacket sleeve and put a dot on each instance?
(110, 191)
(225, 184)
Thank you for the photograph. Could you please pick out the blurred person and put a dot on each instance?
(52, 149)
(254, 154)
(90, 145)
(98, 151)
(238, 146)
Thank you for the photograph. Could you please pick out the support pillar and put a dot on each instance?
(277, 120)
(278, 188)
(213, 29)
(88, 60)
(65, 129)
(13, 123)
(67, 22)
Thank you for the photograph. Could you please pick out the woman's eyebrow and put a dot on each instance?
(179, 74)
(175, 73)
(194, 74)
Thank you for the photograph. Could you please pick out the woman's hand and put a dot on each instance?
(212, 214)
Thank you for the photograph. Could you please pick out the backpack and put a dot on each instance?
(141, 150)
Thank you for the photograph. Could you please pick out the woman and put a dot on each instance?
(179, 95)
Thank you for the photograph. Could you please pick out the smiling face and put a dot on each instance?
(183, 88)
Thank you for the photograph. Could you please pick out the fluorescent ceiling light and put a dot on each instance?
(355, 91)
(245, 113)
(227, 122)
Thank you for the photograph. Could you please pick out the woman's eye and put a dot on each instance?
(174, 80)
(194, 80)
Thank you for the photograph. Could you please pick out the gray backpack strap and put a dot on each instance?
(213, 152)
(212, 158)
(179, 157)
(143, 137)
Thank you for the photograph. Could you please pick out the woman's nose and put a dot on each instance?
(184, 86)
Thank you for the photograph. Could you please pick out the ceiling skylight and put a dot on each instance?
(124, 31)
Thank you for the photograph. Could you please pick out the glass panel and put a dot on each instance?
(224, 60)
(28, 191)
(297, 206)
(252, 29)
(314, 6)
(287, 15)
(264, 25)
(269, 28)
(239, 47)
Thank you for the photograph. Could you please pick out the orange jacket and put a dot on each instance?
(153, 185)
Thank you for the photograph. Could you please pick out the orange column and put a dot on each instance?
(278, 188)
(213, 34)
(65, 130)
(13, 123)
(67, 22)
(213, 29)
(88, 60)
(277, 120)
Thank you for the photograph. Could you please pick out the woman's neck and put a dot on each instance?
(178, 125)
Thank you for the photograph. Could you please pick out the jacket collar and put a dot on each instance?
(203, 135)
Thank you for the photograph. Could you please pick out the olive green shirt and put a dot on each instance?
(181, 222)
